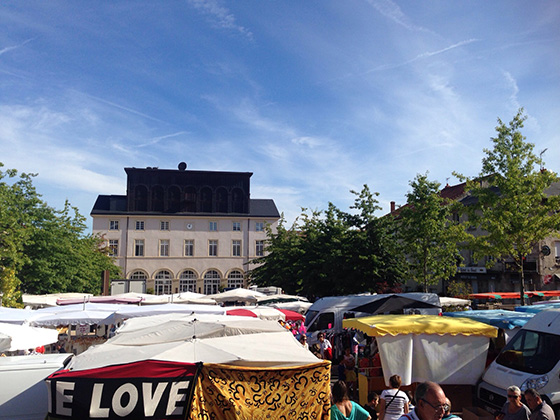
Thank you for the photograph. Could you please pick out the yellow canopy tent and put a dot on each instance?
(428, 347)
(380, 325)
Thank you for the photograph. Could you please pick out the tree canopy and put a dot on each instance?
(429, 234)
(333, 252)
(512, 206)
(44, 250)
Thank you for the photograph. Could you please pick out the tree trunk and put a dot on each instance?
(522, 282)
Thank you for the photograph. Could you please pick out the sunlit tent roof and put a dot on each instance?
(451, 301)
(22, 337)
(15, 315)
(50, 299)
(193, 338)
(237, 295)
(381, 325)
(506, 320)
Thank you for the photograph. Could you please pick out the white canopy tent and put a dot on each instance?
(208, 338)
(450, 301)
(40, 301)
(237, 295)
(23, 337)
(15, 315)
(126, 312)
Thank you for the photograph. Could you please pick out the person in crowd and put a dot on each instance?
(447, 415)
(514, 409)
(325, 346)
(371, 405)
(410, 400)
(431, 403)
(393, 402)
(344, 409)
(540, 410)
(303, 341)
(349, 364)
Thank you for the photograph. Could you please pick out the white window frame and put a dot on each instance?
(188, 245)
(259, 226)
(113, 247)
(139, 247)
(236, 248)
(187, 283)
(213, 226)
(163, 284)
(259, 248)
(164, 225)
(234, 280)
(138, 275)
(212, 247)
(211, 284)
(113, 225)
(164, 246)
(139, 225)
(236, 226)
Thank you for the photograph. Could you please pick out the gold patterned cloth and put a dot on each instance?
(224, 392)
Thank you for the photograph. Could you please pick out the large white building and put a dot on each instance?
(183, 230)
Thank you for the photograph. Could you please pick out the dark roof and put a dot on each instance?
(116, 205)
(263, 208)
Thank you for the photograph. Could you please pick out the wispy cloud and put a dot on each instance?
(220, 16)
(14, 47)
(512, 85)
(421, 56)
(121, 107)
(392, 11)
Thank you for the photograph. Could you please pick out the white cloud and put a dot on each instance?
(220, 16)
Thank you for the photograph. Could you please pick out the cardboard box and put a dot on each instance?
(476, 413)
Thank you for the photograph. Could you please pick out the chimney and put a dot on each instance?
(392, 206)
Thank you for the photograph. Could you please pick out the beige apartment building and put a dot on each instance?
(181, 230)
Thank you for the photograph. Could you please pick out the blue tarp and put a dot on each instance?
(537, 308)
(506, 320)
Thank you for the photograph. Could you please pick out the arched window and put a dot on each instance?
(206, 200)
(235, 279)
(190, 200)
(138, 275)
(221, 200)
(163, 283)
(141, 198)
(157, 198)
(238, 201)
(187, 281)
(174, 199)
(211, 282)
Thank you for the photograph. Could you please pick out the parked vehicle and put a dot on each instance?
(531, 359)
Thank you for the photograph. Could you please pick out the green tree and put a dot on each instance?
(512, 206)
(332, 252)
(429, 235)
(43, 250)
(17, 199)
(374, 257)
(284, 251)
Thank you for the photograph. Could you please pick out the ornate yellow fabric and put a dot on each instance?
(224, 392)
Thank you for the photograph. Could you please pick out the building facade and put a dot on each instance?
(183, 230)
(541, 268)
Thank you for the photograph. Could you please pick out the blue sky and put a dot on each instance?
(314, 97)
